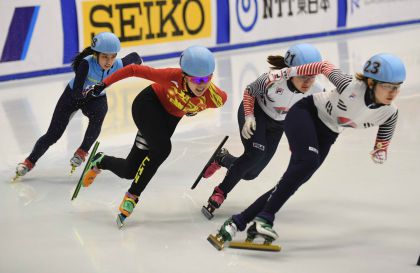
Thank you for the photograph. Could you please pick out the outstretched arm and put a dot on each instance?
(250, 124)
(256, 88)
(334, 75)
(158, 75)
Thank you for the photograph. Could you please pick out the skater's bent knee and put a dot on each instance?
(250, 176)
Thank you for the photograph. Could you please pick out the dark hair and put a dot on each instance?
(277, 61)
(361, 77)
(79, 57)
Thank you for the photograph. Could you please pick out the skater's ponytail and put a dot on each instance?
(277, 61)
(79, 57)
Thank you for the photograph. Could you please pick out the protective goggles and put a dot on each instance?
(306, 78)
(390, 86)
(199, 80)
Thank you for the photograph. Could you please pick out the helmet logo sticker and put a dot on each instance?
(94, 40)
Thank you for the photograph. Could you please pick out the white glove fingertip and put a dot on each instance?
(243, 133)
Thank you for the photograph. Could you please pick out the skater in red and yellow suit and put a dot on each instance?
(156, 112)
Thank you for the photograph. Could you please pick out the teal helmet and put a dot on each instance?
(106, 42)
(301, 54)
(385, 67)
(197, 61)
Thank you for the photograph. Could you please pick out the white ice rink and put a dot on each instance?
(352, 216)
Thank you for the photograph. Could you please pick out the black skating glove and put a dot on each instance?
(94, 90)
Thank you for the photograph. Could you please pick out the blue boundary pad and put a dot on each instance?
(30, 31)
(342, 13)
(19, 34)
(71, 34)
(223, 22)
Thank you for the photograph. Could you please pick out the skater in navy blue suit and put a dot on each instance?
(261, 117)
(91, 66)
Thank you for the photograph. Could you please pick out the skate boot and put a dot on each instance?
(214, 202)
(261, 228)
(216, 164)
(226, 233)
(22, 169)
(77, 159)
(127, 206)
(92, 169)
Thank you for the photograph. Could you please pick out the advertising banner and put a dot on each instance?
(257, 20)
(31, 36)
(42, 37)
(373, 12)
(150, 27)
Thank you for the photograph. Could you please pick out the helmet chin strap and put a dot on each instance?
(190, 92)
(372, 94)
(372, 90)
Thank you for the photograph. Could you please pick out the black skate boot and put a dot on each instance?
(211, 160)
(216, 164)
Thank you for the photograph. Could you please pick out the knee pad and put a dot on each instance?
(250, 176)
(310, 161)
(160, 154)
(130, 174)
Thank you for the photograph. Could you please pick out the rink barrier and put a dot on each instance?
(223, 39)
(68, 69)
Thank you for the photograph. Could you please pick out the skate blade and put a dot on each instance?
(72, 170)
(254, 246)
(216, 241)
(120, 221)
(207, 213)
(15, 178)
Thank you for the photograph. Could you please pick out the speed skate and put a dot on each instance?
(250, 245)
(79, 184)
(209, 162)
(219, 242)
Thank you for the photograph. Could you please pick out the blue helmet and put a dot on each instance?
(197, 61)
(106, 42)
(385, 67)
(301, 54)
